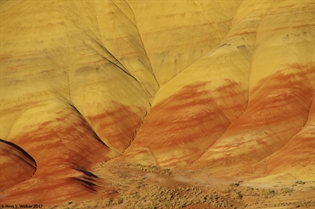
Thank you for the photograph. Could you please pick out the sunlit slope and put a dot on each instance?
(73, 91)
(226, 85)
(281, 90)
(177, 33)
(241, 102)
(77, 79)
(196, 107)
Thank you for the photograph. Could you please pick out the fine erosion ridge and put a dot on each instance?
(157, 104)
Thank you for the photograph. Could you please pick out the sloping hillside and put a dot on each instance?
(222, 88)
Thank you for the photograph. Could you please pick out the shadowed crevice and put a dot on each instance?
(87, 173)
(22, 151)
(88, 126)
(87, 184)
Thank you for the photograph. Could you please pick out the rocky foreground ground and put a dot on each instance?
(137, 186)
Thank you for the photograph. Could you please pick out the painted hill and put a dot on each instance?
(224, 86)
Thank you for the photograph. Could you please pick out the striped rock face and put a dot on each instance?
(227, 86)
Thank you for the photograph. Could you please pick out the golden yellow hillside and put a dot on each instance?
(157, 103)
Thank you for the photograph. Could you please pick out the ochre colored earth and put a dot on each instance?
(157, 104)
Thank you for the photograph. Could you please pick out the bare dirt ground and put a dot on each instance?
(137, 186)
